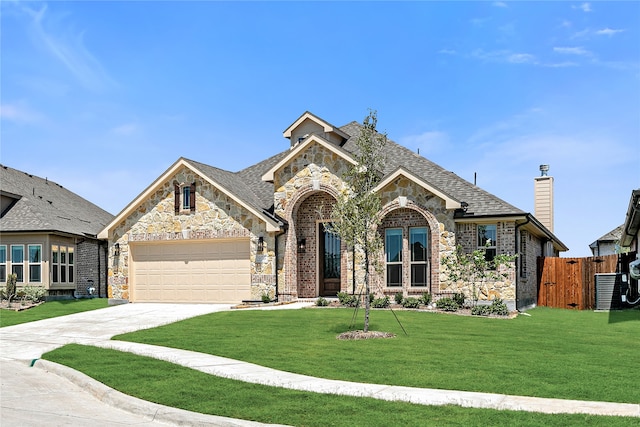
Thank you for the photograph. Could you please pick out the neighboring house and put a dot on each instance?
(609, 244)
(48, 236)
(203, 234)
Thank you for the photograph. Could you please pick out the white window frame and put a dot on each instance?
(393, 263)
(486, 242)
(424, 262)
(34, 264)
(3, 264)
(20, 263)
(186, 197)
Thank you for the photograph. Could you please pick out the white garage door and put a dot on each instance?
(191, 271)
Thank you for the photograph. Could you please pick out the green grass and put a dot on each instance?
(552, 353)
(50, 309)
(176, 386)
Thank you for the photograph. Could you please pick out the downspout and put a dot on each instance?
(98, 248)
(276, 260)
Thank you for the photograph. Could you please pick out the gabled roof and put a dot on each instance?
(41, 205)
(611, 237)
(326, 126)
(293, 153)
(229, 183)
(631, 226)
(450, 203)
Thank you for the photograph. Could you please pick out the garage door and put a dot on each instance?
(191, 271)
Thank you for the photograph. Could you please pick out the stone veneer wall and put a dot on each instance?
(216, 216)
(506, 289)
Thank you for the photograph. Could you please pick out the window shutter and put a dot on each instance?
(192, 199)
(176, 196)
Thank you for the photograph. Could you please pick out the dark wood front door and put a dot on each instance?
(329, 262)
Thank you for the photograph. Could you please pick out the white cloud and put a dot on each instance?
(607, 32)
(125, 129)
(585, 7)
(427, 142)
(447, 51)
(499, 4)
(572, 50)
(19, 114)
(57, 37)
(521, 58)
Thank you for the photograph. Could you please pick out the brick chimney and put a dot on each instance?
(543, 198)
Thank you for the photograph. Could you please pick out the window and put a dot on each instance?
(3, 263)
(393, 252)
(35, 263)
(523, 251)
(55, 263)
(186, 197)
(487, 240)
(17, 261)
(63, 264)
(419, 256)
(70, 265)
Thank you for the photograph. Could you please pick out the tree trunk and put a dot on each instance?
(367, 304)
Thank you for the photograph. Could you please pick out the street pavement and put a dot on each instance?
(50, 394)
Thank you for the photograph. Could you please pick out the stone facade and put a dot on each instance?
(216, 216)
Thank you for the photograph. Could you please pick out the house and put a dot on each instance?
(48, 236)
(609, 244)
(203, 234)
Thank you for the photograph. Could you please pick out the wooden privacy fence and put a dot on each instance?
(570, 282)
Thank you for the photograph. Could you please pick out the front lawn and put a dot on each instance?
(551, 353)
(176, 386)
(50, 309)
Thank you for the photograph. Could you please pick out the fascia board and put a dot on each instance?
(450, 202)
(313, 139)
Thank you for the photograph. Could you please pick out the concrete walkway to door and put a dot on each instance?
(29, 341)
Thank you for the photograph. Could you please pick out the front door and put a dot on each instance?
(329, 262)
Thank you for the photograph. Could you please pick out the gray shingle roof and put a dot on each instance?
(247, 184)
(46, 206)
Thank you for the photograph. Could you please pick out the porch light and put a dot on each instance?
(260, 244)
(302, 245)
(116, 250)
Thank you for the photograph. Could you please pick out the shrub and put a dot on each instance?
(459, 299)
(322, 302)
(411, 302)
(348, 300)
(447, 304)
(481, 310)
(34, 293)
(10, 289)
(266, 298)
(371, 298)
(425, 298)
(381, 302)
(498, 307)
(399, 297)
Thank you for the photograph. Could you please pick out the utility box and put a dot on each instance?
(608, 291)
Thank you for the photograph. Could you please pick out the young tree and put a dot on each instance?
(355, 214)
(475, 269)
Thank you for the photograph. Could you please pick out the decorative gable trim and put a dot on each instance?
(326, 126)
(450, 202)
(313, 139)
(272, 225)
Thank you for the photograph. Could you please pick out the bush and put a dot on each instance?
(381, 302)
(348, 300)
(371, 298)
(34, 293)
(399, 297)
(425, 298)
(10, 289)
(447, 304)
(498, 307)
(481, 310)
(411, 302)
(266, 298)
(459, 299)
(322, 302)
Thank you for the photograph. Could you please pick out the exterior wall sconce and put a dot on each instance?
(116, 250)
(302, 245)
(260, 244)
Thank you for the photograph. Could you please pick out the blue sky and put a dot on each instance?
(102, 97)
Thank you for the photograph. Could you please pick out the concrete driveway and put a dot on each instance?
(39, 397)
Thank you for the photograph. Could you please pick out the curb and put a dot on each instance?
(148, 410)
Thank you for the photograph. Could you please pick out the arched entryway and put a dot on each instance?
(320, 255)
